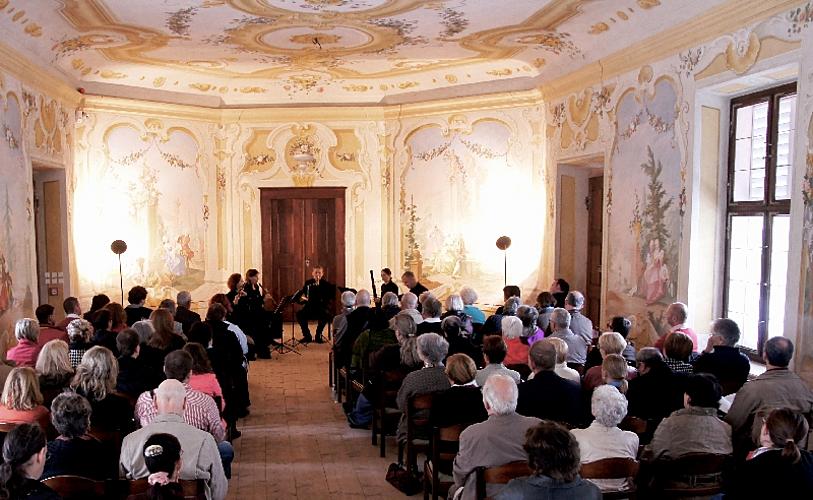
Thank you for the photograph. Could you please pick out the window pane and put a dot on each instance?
(780, 234)
(784, 147)
(749, 152)
(744, 276)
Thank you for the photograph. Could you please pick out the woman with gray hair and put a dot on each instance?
(25, 353)
(432, 349)
(603, 439)
(530, 327)
(469, 296)
(75, 452)
(348, 300)
(455, 307)
(512, 332)
(95, 379)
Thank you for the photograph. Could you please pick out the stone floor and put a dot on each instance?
(296, 443)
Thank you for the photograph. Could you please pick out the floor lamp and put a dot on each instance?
(119, 247)
(503, 242)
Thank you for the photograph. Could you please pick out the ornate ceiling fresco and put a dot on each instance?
(254, 52)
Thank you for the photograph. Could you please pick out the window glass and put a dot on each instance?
(745, 276)
(780, 234)
(784, 147)
(750, 150)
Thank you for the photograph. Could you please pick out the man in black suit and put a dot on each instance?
(548, 396)
(317, 298)
(357, 322)
(413, 284)
(183, 314)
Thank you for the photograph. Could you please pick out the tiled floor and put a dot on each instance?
(296, 443)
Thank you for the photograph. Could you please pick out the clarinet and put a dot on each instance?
(372, 280)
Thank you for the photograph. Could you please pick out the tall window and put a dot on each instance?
(759, 175)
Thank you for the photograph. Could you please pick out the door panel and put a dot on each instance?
(594, 245)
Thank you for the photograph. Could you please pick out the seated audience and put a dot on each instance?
(656, 392)
(118, 315)
(163, 340)
(430, 312)
(622, 325)
(562, 369)
(21, 402)
(722, 358)
(103, 334)
(134, 376)
(579, 323)
(432, 349)
(75, 452)
(517, 345)
(26, 331)
(24, 454)
(548, 396)
(615, 372)
(695, 428)
(494, 352)
(227, 359)
(469, 296)
(545, 303)
(603, 439)
(144, 329)
(54, 370)
(497, 441)
(493, 323)
(171, 414)
(409, 304)
(677, 351)
(135, 309)
(460, 340)
(357, 322)
(183, 313)
(348, 303)
(528, 315)
(559, 289)
(455, 307)
(72, 311)
(463, 402)
(203, 378)
(780, 467)
(95, 379)
(608, 343)
(80, 332)
(48, 330)
(169, 305)
(96, 305)
(378, 334)
(553, 455)
(778, 387)
(676, 315)
(576, 346)
(241, 337)
(162, 457)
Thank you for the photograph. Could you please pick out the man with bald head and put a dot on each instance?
(676, 316)
(201, 459)
(497, 441)
(409, 303)
(579, 323)
(548, 396)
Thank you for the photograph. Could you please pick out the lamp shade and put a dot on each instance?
(118, 247)
(503, 242)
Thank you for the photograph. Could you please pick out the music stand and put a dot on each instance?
(293, 342)
(286, 346)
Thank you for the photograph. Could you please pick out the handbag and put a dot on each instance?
(403, 480)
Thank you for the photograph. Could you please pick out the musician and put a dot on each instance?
(411, 282)
(388, 285)
(248, 306)
(317, 298)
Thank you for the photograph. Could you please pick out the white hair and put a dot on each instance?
(27, 328)
(454, 302)
(511, 327)
(348, 299)
(363, 298)
(608, 406)
(468, 295)
(409, 301)
(500, 393)
(144, 329)
(432, 348)
(560, 318)
(79, 330)
(184, 298)
(389, 299)
(575, 299)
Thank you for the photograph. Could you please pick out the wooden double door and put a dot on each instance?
(301, 228)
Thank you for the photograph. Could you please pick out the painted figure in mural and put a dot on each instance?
(186, 251)
(656, 274)
(6, 296)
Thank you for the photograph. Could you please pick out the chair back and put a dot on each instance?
(445, 445)
(192, 489)
(693, 474)
(610, 468)
(390, 383)
(76, 487)
(634, 424)
(500, 474)
(418, 412)
(521, 368)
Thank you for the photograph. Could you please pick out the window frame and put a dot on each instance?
(768, 207)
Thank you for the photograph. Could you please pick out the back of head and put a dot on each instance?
(21, 443)
(511, 327)
(575, 300)
(454, 303)
(511, 291)
(495, 349)
(704, 390)
(727, 330)
(528, 315)
(564, 286)
(348, 299)
(223, 300)
(621, 325)
(615, 368)
(500, 394)
(54, 359)
(117, 313)
(787, 429)
(137, 295)
(127, 342)
(678, 346)
(162, 457)
(409, 301)
(469, 295)
(178, 365)
(144, 329)
(22, 390)
(677, 313)
(79, 330)
(778, 351)
(432, 348)
(70, 305)
(451, 326)
(200, 358)
(543, 355)
(70, 415)
(201, 333)
(363, 298)
(97, 373)
(102, 320)
(608, 405)
(552, 451)
(460, 369)
(98, 301)
(403, 324)
(389, 299)
(510, 306)
(169, 305)
(184, 299)
(216, 312)
(170, 396)
(611, 343)
(650, 356)
(431, 308)
(560, 319)
(561, 349)
(545, 299)
(44, 313)
(27, 328)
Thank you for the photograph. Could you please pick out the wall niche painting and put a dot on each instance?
(461, 190)
(645, 220)
(149, 192)
(805, 357)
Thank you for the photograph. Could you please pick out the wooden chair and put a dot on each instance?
(5, 428)
(330, 369)
(445, 445)
(417, 418)
(671, 475)
(499, 474)
(385, 409)
(613, 468)
(77, 487)
(192, 489)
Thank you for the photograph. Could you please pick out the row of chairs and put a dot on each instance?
(82, 488)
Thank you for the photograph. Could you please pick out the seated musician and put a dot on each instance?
(316, 296)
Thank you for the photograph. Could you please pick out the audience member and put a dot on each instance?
(778, 387)
(722, 358)
(22, 400)
(559, 290)
(96, 304)
(517, 345)
(409, 304)
(548, 396)
(576, 346)
(497, 441)
(144, 329)
(24, 452)
(170, 306)
(163, 340)
(162, 457)
(95, 379)
(72, 311)
(134, 376)
(241, 337)
(80, 332)
(677, 351)
(74, 452)
(459, 340)
(494, 352)
(463, 402)
(430, 312)
(608, 343)
(54, 370)
(357, 322)
(494, 322)
(545, 304)
(184, 313)
(469, 296)
(603, 439)
(26, 331)
(780, 467)
(118, 315)
(227, 362)
(579, 323)
(203, 378)
(622, 325)
(455, 307)
(676, 315)
(562, 369)
(103, 334)
(170, 413)
(509, 291)
(378, 334)
(432, 349)
(656, 392)
(528, 315)
(135, 309)
(48, 330)
(348, 302)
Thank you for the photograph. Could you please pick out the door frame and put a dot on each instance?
(267, 194)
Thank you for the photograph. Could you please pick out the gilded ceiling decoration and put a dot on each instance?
(249, 52)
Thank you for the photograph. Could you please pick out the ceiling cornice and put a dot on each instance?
(34, 76)
(726, 18)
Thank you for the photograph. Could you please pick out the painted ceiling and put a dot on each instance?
(263, 52)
